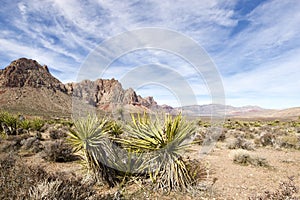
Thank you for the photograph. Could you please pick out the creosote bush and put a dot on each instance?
(244, 157)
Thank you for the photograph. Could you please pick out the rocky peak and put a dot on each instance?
(101, 93)
(27, 72)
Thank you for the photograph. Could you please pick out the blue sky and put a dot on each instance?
(254, 44)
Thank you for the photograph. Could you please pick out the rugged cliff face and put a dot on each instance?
(25, 78)
(29, 73)
(104, 92)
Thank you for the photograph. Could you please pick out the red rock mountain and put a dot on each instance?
(26, 85)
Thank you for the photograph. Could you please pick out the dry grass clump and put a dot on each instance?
(244, 157)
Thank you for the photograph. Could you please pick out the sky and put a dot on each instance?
(253, 44)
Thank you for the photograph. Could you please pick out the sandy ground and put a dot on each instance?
(239, 182)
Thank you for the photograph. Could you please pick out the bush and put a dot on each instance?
(13, 143)
(58, 151)
(61, 188)
(245, 158)
(32, 144)
(19, 181)
(290, 141)
(16, 178)
(240, 143)
(267, 139)
(25, 124)
(57, 134)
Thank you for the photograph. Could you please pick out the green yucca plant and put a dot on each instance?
(162, 142)
(10, 121)
(90, 138)
(25, 124)
(37, 123)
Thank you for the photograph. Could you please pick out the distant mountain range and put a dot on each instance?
(26, 86)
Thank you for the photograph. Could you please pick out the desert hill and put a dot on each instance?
(27, 86)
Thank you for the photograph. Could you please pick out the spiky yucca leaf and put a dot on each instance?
(161, 142)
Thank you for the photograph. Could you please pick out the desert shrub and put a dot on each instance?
(245, 158)
(267, 139)
(19, 181)
(199, 138)
(115, 129)
(240, 143)
(290, 141)
(197, 170)
(204, 124)
(58, 151)
(13, 143)
(32, 144)
(24, 124)
(62, 188)
(16, 178)
(287, 190)
(55, 134)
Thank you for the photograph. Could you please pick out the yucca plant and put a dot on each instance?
(162, 142)
(91, 140)
(10, 121)
(37, 124)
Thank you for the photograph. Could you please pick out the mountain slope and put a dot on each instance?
(25, 85)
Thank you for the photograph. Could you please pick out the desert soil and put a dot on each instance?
(239, 182)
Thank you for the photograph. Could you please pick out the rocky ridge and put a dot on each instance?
(27, 74)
